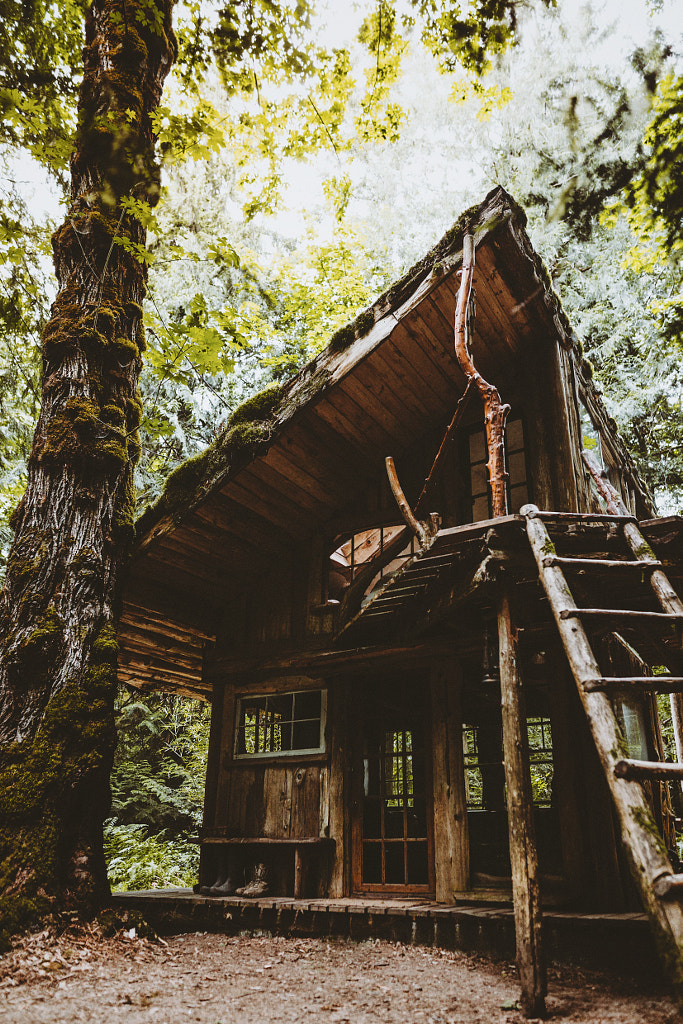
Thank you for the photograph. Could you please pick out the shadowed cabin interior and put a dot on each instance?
(353, 668)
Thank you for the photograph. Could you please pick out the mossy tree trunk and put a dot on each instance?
(75, 523)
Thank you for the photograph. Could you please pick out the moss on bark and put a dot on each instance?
(54, 794)
(74, 524)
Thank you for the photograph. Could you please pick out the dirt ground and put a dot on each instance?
(215, 979)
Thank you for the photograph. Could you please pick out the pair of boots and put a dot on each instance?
(226, 884)
(258, 886)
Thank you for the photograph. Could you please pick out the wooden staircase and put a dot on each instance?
(638, 573)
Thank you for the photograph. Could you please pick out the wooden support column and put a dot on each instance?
(212, 769)
(565, 710)
(339, 820)
(298, 873)
(214, 756)
(451, 837)
(523, 854)
(224, 770)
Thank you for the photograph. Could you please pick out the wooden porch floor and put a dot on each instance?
(601, 940)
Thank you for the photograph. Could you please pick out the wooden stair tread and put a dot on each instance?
(602, 564)
(631, 768)
(622, 613)
(399, 592)
(652, 684)
(668, 887)
(579, 517)
(435, 561)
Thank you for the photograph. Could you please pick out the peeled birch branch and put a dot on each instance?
(495, 411)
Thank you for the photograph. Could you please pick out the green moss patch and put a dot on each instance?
(125, 350)
(342, 338)
(69, 432)
(259, 406)
(53, 795)
(30, 656)
(246, 434)
(133, 412)
(83, 435)
(644, 819)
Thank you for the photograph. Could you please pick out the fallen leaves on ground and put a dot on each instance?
(82, 975)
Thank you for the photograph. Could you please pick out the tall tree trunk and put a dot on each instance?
(74, 525)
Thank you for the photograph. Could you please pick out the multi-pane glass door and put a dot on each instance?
(392, 821)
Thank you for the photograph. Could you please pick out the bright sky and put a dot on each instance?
(630, 23)
(633, 20)
(627, 24)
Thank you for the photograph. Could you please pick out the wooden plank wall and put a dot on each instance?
(270, 798)
(550, 428)
(276, 801)
(277, 798)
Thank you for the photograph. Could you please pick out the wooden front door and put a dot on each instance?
(392, 819)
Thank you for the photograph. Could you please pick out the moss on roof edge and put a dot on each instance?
(430, 264)
(248, 431)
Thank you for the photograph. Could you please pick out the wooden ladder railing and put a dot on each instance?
(660, 888)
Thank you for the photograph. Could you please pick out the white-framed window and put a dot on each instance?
(281, 724)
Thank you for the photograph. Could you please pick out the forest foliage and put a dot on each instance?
(304, 170)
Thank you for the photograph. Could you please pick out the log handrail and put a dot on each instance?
(659, 581)
(609, 494)
(458, 415)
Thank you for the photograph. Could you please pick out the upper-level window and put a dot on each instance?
(361, 548)
(518, 491)
(592, 441)
(281, 723)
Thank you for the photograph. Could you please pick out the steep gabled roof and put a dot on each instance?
(290, 458)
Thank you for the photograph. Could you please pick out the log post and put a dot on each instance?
(339, 827)
(523, 854)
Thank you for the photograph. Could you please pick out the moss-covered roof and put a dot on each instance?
(256, 423)
(246, 432)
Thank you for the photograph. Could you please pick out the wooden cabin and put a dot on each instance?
(356, 735)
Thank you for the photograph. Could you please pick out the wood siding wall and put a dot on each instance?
(285, 797)
(276, 801)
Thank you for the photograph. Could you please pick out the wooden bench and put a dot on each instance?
(303, 848)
